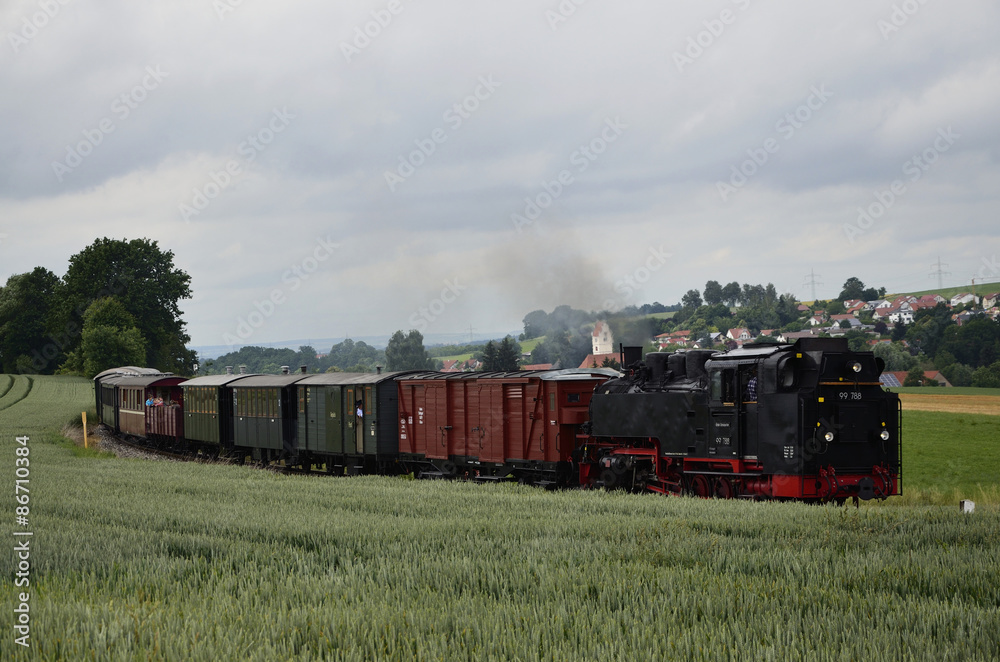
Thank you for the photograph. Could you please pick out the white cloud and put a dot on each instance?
(324, 175)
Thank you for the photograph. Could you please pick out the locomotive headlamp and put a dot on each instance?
(885, 435)
(855, 366)
(828, 436)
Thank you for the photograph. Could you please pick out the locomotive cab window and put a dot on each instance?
(722, 386)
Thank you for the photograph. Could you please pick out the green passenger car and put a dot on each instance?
(264, 415)
(349, 415)
(208, 410)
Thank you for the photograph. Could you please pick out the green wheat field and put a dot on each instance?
(143, 560)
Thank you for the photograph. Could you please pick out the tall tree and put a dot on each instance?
(144, 279)
(27, 339)
(731, 293)
(853, 289)
(509, 355)
(691, 299)
(406, 352)
(490, 357)
(713, 293)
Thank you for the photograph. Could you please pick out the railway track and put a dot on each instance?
(140, 450)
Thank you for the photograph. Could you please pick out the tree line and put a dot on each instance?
(117, 304)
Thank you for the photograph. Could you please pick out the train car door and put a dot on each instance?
(491, 422)
(334, 419)
(371, 422)
(354, 442)
(723, 440)
(750, 389)
(436, 420)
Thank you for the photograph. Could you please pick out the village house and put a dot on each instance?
(739, 336)
(963, 298)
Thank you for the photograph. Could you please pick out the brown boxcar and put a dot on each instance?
(495, 424)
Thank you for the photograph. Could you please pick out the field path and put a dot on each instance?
(18, 391)
(956, 404)
(37, 403)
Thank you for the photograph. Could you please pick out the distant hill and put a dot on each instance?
(206, 352)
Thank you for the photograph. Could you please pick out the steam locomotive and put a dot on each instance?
(808, 421)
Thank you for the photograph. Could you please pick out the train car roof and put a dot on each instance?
(270, 380)
(129, 371)
(752, 351)
(216, 380)
(569, 374)
(150, 380)
(351, 377)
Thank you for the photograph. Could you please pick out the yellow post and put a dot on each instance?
(85, 429)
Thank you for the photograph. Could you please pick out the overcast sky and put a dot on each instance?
(322, 169)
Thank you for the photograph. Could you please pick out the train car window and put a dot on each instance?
(552, 401)
(573, 397)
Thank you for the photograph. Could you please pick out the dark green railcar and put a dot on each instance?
(349, 419)
(208, 410)
(264, 422)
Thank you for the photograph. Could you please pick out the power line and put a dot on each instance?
(811, 280)
(940, 273)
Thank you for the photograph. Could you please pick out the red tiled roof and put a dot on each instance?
(597, 359)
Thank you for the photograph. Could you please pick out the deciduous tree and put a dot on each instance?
(406, 352)
(144, 279)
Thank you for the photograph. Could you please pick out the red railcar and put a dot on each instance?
(163, 419)
(493, 425)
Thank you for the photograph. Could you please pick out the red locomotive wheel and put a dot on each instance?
(724, 488)
(700, 486)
